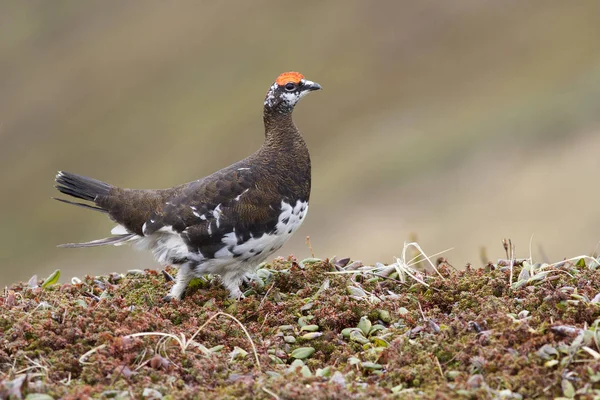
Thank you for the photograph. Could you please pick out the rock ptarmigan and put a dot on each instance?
(226, 223)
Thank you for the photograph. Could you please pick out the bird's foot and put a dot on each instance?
(174, 297)
(236, 294)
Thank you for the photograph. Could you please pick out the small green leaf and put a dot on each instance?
(52, 279)
(38, 396)
(310, 328)
(356, 291)
(371, 365)
(384, 315)
(305, 372)
(150, 393)
(286, 328)
(347, 331)
(379, 342)
(81, 303)
(539, 276)
(302, 353)
(568, 389)
(357, 336)
(524, 275)
(289, 339)
(324, 372)
(275, 359)
(364, 325)
(308, 261)
(217, 348)
(311, 335)
(375, 328)
(581, 264)
(304, 320)
(452, 374)
(519, 284)
(323, 287)
(595, 377)
(353, 361)
(299, 365)
(264, 274)
(397, 389)
(237, 353)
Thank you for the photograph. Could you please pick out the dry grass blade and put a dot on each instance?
(181, 342)
(270, 392)
(404, 269)
(184, 343)
(420, 250)
(241, 326)
(588, 258)
(89, 353)
(401, 266)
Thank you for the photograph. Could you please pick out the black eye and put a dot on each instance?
(290, 86)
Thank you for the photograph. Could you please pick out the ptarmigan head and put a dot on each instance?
(287, 90)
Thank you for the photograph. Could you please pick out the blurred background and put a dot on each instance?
(460, 123)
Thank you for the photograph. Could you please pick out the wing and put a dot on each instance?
(229, 201)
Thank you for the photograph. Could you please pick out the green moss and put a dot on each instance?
(478, 336)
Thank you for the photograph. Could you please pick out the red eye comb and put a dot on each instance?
(287, 77)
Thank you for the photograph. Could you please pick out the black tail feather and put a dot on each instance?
(80, 187)
(81, 205)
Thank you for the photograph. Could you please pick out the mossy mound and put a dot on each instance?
(307, 331)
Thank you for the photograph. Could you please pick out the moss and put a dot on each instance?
(468, 333)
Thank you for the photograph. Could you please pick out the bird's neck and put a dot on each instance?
(281, 132)
(285, 155)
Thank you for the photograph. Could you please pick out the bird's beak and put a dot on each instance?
(310, 86)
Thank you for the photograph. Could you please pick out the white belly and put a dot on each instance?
(167, 244)
(257, 249)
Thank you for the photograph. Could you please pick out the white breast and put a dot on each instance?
(261, 247)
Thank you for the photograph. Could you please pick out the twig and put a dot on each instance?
(118, 375)
(530, 255)
(266, 294)
(421, 310)
(385, 277)
(264, 321)
(312, 253)
(270, 393)
(437, 361)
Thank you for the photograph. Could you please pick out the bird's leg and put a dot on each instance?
(184, 276)
(232, 283)
(236, 294)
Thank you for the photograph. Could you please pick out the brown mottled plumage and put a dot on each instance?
(227, 222)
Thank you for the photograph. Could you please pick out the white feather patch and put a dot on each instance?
(119, 230)
(261, 247)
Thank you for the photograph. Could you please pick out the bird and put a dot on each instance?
(226, 223)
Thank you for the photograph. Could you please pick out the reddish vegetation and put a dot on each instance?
(468, 333)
